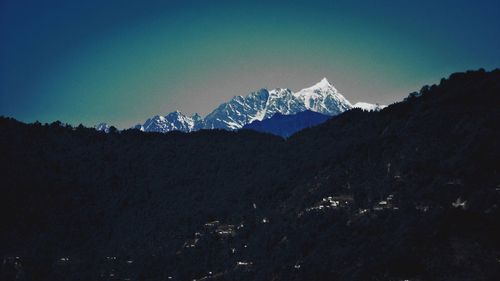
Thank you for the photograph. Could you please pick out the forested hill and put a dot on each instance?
(408, 193)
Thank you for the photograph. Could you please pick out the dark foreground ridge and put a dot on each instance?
(287, 125)
(408, 193)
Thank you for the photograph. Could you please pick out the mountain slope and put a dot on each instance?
(407, 193)
(287, 125)
(239, 111)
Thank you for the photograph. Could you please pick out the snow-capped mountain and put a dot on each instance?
(239, 111)
(259, 105)
(104, 127)
(174, 121)
(322, 97)
(369, 106)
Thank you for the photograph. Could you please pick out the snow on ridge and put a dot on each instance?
(369, 106)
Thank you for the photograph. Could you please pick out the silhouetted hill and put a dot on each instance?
(287, 125)
(408, 193)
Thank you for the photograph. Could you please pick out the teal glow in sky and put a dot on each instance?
(123, 61)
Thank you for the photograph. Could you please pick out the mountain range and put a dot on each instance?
(322, 98)
(410, 192)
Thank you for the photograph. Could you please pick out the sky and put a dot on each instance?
(120, 61)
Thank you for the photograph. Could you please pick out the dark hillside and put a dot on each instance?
(408, 193)
(287, 125)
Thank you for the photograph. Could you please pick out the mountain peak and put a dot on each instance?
(323, 98)
(323, 84)
(176, 112)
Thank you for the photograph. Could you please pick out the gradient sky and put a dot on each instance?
(123, 61)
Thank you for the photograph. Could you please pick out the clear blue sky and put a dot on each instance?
(123, 61)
